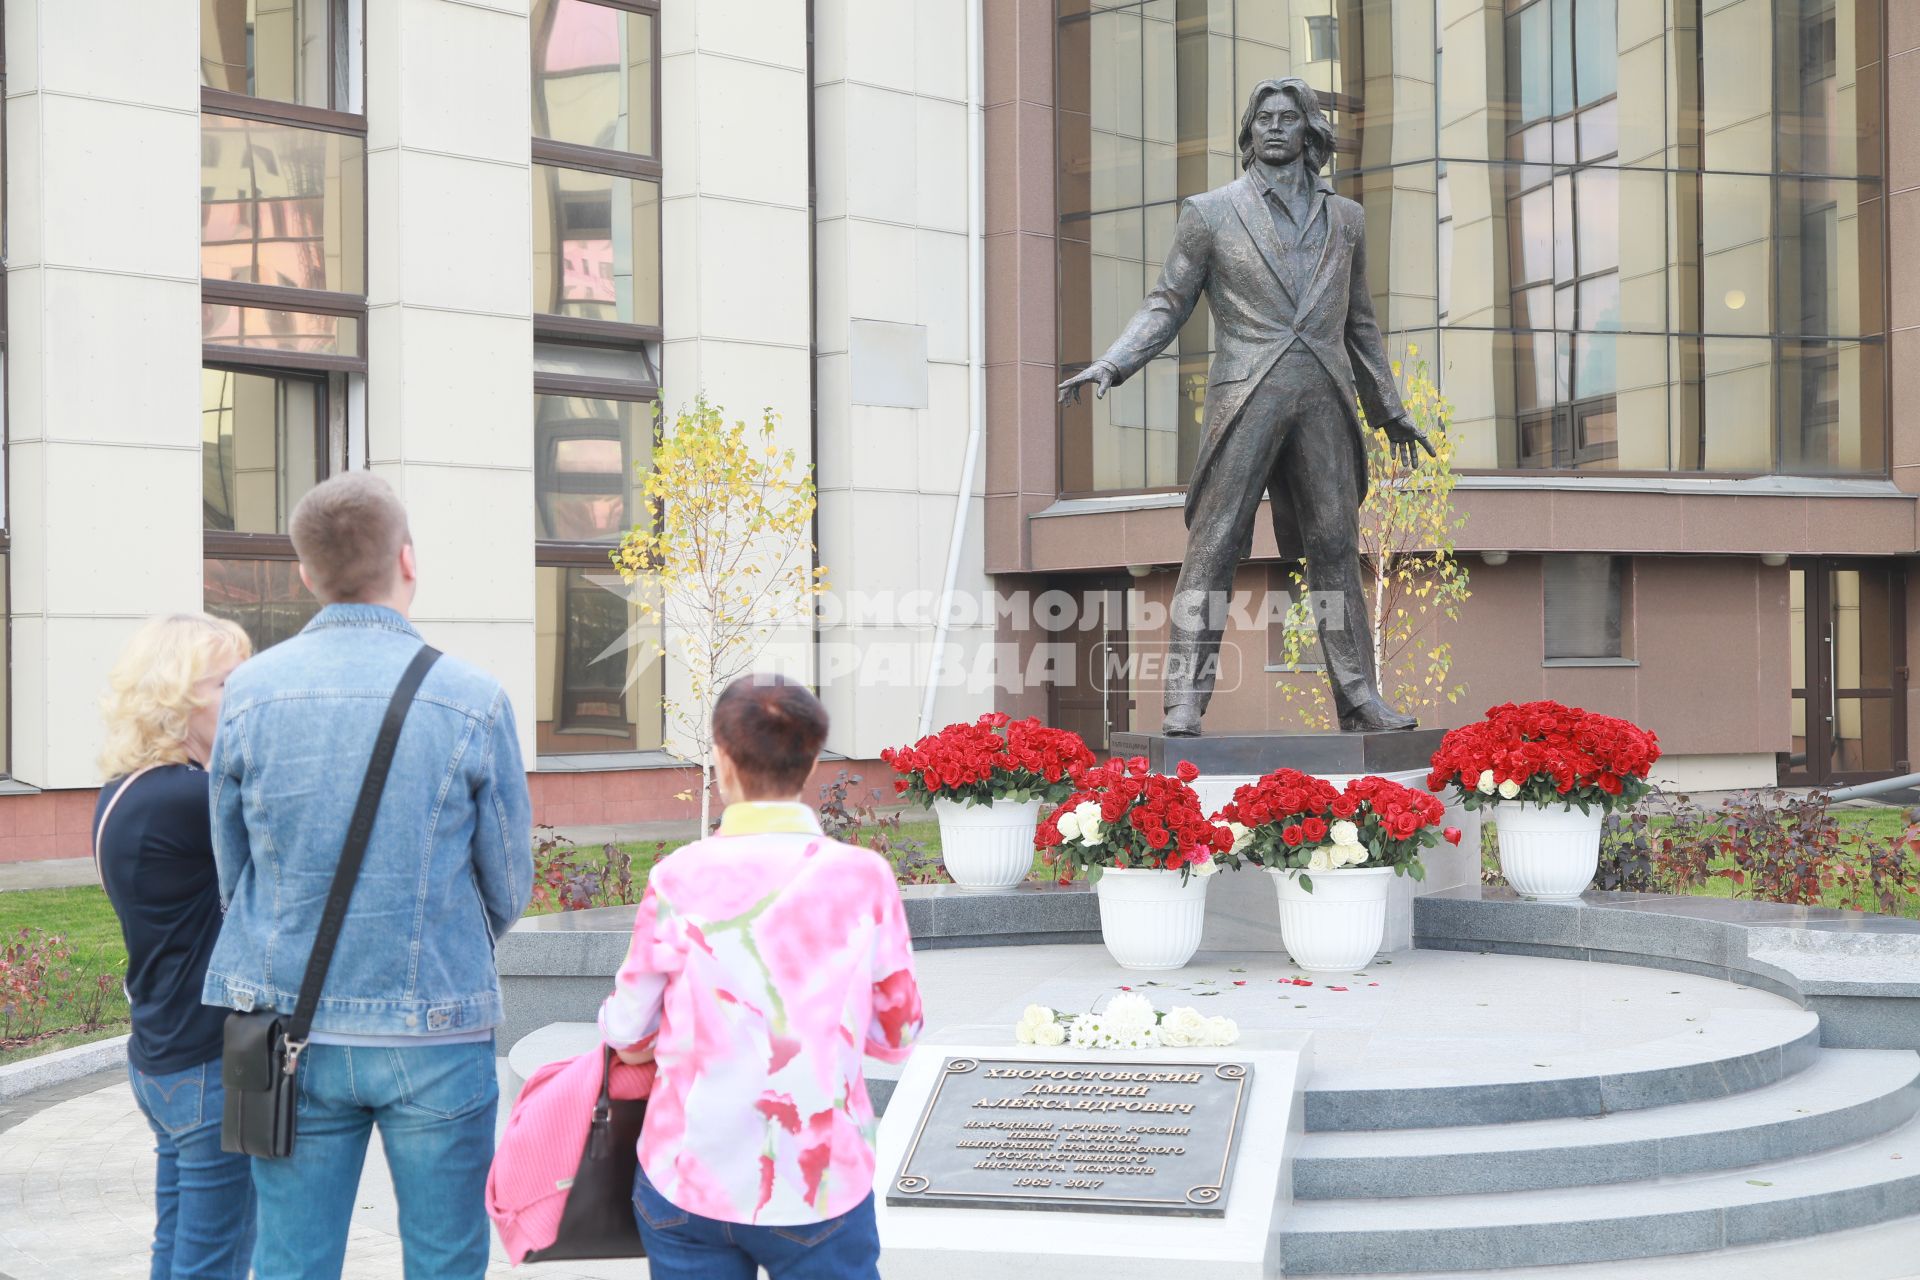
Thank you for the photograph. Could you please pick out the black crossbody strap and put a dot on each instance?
(354, 852)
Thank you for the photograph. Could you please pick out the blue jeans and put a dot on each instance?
(686, 1246)
(435, 1107)
(203, 1197)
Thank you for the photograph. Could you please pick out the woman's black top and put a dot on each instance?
(156, 859)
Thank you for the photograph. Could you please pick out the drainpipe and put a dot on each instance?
(976, 349)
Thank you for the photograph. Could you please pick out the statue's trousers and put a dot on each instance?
(1294, 435)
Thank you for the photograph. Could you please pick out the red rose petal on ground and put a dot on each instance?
(1126, 988)
(1336, 988)
(1373, 984)
(1239, 983)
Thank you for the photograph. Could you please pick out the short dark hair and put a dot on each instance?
(772, 729)
(1319, 145)
(348, 532)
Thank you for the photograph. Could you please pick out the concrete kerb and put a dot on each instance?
(62, 1065)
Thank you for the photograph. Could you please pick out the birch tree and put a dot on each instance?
(724, 562)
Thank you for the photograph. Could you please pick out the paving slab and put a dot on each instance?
(47, 873)
(76, 1196)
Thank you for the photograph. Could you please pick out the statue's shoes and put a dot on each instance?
(1181, 721)
(1376, 717)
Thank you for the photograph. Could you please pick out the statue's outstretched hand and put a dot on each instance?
(1406, 441)
(1099, 373)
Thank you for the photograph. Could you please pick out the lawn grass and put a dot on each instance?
(85, 919)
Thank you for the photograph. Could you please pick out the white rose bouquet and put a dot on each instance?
(1129, 1021)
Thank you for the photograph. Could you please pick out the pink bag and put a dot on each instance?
(546, 1134)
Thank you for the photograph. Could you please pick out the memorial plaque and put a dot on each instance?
(1112, 1137)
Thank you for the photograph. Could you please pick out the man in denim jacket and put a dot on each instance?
(404, 1033)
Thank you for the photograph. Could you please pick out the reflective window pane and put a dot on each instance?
(264, 329)
(266, 597)
(1530, 63)
(281, 205)
(285, 50)
(1596, 57)
(1828, 259)
(262, 441)
(596, 246)
(573, 359)
(593, 76)
(1830, 412)
(589, 459)
(598, 671)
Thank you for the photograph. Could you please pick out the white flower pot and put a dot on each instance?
(1338, 927)
(1549, 852)
(1149, 919)
(987, 846)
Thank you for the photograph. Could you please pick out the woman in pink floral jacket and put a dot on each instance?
(766, 961)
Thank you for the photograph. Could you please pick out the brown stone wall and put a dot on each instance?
(1022, 470)
(1709, 635)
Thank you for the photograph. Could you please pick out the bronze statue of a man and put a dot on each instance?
(1283, 264)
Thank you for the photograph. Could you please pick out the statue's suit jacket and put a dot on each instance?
(1226, 247)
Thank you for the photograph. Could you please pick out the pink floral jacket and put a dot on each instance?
(766, 959)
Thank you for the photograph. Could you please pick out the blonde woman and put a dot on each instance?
(153, 841)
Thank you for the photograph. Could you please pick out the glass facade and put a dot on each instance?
(596, 358)
(284, 50)
(599, 674)
(282, 205)
(1640, 237)
(266, 597)
(596, 246)
(283, 282)
(263, 441)
(593, 85)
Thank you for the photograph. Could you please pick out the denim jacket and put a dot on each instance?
(449, 867)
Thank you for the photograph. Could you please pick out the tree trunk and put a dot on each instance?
(706, 792)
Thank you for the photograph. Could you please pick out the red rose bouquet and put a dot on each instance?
(1294, 820)
(994, 758)
(1546, 753)
(1122, 815)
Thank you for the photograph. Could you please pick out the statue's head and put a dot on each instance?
(1261, 135)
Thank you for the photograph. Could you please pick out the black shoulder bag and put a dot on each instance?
(262, 1049)
(597, 1221)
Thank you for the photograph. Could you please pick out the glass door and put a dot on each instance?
(1848, 668)
(1093, 694)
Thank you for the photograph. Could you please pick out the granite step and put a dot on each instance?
(1730, 1052)
(1889, 1251)
(1877, 1181)
(1845, 1096)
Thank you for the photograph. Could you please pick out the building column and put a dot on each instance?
(102, 358)
(450, 318)
(735, 238)
(890, 147)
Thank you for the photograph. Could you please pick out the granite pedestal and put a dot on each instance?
(927, 1243)
(1253, 754)
(1248, 919)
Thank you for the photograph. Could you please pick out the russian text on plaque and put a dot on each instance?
(1117, 1137)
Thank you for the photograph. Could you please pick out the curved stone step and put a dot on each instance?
(1884, 1252)
(1731, 1052)
(1872, 1182)
(1845, 1096)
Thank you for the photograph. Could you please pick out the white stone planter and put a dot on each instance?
(987, 846)
(1149, 919)
(1549, 852)
(1338, 926)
